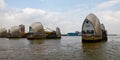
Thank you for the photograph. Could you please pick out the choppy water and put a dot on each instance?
(67, 48)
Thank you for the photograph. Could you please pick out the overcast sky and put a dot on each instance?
(68, 15)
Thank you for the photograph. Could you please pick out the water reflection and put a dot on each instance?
(14, 38)
(36, 41)
(94, 51)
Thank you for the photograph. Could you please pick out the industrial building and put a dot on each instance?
(76, 33)
(22, 30)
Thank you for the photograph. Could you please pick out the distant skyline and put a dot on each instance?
(68, 15)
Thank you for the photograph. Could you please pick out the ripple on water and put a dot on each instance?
(68, 48)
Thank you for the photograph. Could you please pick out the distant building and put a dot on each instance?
(79, 33)
(22, 29)
(72, 34)
(76, 33)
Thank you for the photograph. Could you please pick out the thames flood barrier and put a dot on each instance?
(16, 31)
(52, 34)
(3, 32)
(93, 30)
(36, 31)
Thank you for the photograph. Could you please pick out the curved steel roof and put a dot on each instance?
(96, 23)
(14, 29)
(37, 26)
(3, 30)
(103, 27)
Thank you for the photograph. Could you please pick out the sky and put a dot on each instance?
(68, 15)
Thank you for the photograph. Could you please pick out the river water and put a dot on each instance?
(66, 48)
